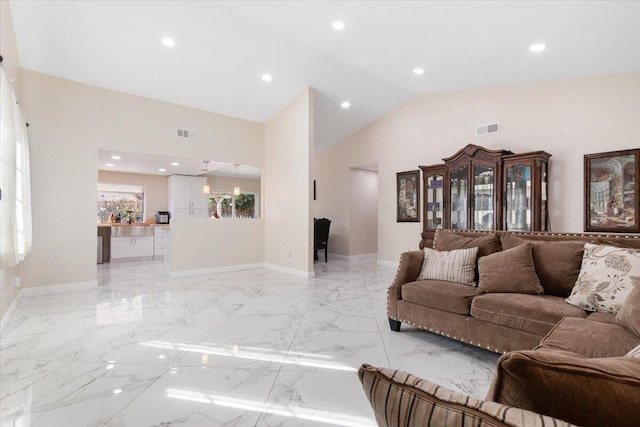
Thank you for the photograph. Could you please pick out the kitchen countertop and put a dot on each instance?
(135, 224)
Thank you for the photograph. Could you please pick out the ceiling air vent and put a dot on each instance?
(487, 129)
(186, 133)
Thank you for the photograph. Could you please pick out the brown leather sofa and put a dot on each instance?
(499, 322)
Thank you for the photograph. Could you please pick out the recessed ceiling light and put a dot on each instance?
(116, 157)
(175, 164)
(419, 71)
(162, 170)
(168, 42)
(338, 25)
(267, 77)
(538, 47)
(345, 104)
(110, 165)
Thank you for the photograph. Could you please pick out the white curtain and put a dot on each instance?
(15, 182)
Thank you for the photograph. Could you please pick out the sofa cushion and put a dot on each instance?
(448, 241)
(557, 264)
(607, 275)
(448, 296)
(589, 338)
(597, 316)
(565, 387)
(511, 270)
(629, 314)
(452, 266)
(400, 399)
(532, 313)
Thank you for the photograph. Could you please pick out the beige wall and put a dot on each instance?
(201, 244)
(155, 188)
(11, 63)
(363, 213)
(69, 122)
(566, 118)
(287, 186)
(227, 183)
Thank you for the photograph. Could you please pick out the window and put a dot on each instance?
(120, 203)
(15, 207)
(223, 204)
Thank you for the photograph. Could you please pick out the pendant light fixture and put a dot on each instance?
(236, 189)
(205, 187)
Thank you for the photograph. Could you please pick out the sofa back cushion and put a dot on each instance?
(629, 314)
(449, 240)
(400, 399)
(511, 270)
(450, 266)
(557, 263)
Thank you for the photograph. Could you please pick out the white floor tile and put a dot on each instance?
(246, 348)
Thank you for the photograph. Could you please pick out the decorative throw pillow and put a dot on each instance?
(635, 352)
(607, 275)
(629, 314)
(557, 262)
(510, 271)
(452, 266)
(399, 399)
(448, 241)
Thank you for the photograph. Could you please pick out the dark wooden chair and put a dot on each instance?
(320, 236)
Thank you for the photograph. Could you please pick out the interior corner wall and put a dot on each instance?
(363, 212)
(566, 118)
(69, 122)
(287, 186)
(11, 63)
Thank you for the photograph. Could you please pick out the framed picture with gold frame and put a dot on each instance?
(408, 196)
(612, 191)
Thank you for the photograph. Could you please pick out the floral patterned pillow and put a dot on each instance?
(606, 278)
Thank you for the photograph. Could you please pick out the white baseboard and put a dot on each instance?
(213, 270)
(384, 263)
(59, 289)
(352, 257)
(6, 319)
(293, 271)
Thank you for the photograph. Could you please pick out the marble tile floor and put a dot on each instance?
(248, 348)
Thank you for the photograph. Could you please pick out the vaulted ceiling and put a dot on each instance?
(222, 50)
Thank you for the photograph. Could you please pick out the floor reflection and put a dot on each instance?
(253, 353)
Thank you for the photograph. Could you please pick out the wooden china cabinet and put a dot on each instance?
(481, 189)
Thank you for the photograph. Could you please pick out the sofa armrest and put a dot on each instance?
(579, 390)
(408, 271)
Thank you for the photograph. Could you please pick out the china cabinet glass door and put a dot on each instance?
(544, 225)
(435, 201)
(483, 196)
(459, 196)
(518, 198)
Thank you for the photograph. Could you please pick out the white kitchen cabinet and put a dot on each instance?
(158, 241)
(186, 199)
(131, 247)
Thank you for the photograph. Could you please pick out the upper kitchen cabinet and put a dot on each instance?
(481, 189)
(187, 198)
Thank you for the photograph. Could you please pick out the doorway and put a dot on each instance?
(363, 210)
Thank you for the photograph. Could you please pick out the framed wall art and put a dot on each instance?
(408, 196)
(612, 191)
